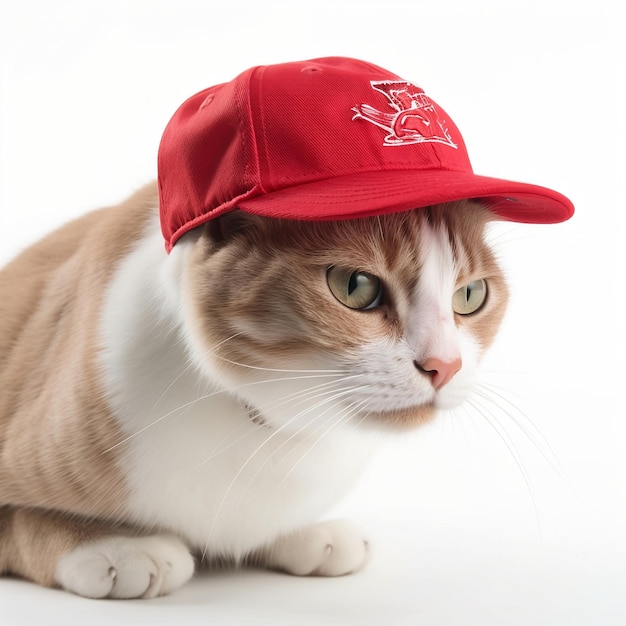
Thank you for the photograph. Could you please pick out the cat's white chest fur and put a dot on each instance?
(195, 460)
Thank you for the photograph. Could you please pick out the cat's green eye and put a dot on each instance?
(355, 289)
(469, 298)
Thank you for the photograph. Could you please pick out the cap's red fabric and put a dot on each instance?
(325, 139)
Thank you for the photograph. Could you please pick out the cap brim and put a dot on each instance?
(374, 193)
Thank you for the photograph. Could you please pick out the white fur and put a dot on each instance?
(126, 567)
(433, 331)
(197, 465)
(194, 461)
(331, 548)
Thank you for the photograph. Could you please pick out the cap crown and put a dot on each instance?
(279, 126)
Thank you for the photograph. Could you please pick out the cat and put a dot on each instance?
(214, 402)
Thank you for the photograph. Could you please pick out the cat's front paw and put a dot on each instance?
(332, 548)
(126, 567)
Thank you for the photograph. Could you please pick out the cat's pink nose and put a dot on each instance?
(440, 372)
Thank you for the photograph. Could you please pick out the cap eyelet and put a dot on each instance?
(207, 101)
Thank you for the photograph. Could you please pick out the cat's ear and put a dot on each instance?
(225, 228)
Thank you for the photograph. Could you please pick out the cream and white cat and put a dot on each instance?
(215, 402)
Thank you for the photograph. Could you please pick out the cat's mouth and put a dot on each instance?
(405, 418)
(410, 417)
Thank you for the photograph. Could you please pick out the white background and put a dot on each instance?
(537, 87)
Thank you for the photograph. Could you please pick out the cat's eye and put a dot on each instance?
(469, 298)
(355, 289)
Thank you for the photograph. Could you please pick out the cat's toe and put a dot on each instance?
(333, 548)
(126, 567)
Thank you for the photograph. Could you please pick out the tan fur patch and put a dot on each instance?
(274, 304)
(274, 261)
(55, 426)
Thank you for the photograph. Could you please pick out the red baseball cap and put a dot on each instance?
(326, 139)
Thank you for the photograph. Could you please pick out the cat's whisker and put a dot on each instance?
(215, 353)
(189, 404)
(221, 447)
(169, 387)
(294, 398)
(338, 394)
(298, 397)
(498, 237)
(492, 420)
(217, 346)
(499, 393)
(275, 369)
(273, 455)
(381, 231)
(532, 434)
(249, 460)
(241, 469)
(351, 410)
(296, 434)
(358, 408)
(182, 407)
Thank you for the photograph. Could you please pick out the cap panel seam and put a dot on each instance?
(254, 91)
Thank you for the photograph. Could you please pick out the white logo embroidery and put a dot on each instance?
(415, 119)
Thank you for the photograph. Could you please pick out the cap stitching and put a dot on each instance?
(392, 167)
(246, 143)
(261, 132)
